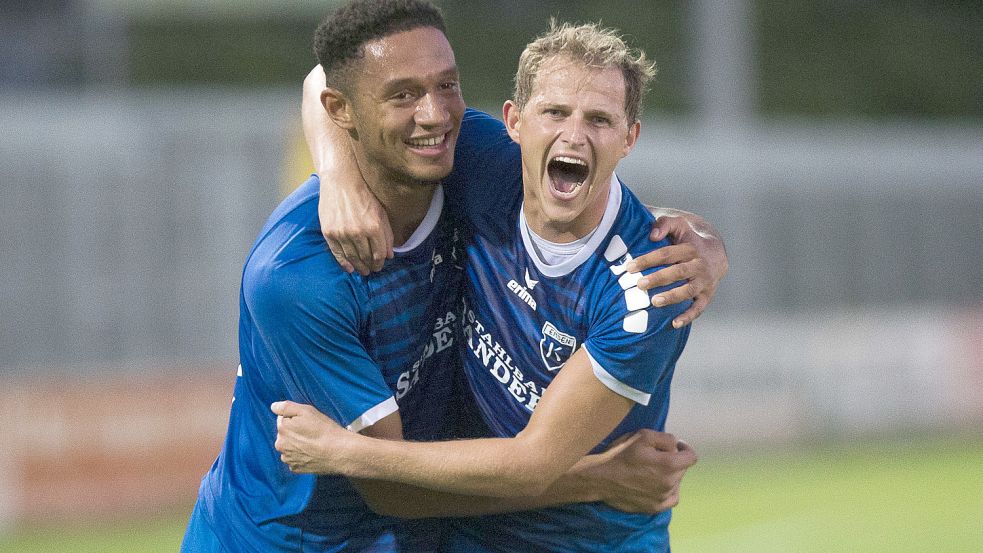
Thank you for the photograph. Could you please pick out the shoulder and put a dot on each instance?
(618, 300)
(634, 224)
(487, 168)
(290, 266)
(478, 122)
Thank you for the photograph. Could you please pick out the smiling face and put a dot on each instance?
(573, 131)
(406, 107)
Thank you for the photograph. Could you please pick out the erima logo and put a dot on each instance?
(523, 291)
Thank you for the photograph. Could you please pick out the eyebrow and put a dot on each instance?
(410, 81)
(587, 112)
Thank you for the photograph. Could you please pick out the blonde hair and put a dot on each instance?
(594, 46)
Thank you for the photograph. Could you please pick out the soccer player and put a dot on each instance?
(374, 353)
(563, 352)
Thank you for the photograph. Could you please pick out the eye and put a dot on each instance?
(402, 96)
(450, 86)
(552, 112)
(600, 120)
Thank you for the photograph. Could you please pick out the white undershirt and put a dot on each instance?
(554, 259)
(553, 253)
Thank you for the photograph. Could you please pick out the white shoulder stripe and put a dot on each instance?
(374, 415)
(616, 248)
(616, 385)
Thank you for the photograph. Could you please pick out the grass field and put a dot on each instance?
(924, 497)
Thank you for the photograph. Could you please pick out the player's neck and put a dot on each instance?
(406, 203)
(560, 231)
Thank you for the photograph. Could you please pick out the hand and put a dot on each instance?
(697, 256)
(642, 471)
(305, 436)
(356, 227)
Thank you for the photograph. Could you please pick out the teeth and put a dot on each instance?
(424, 142)
(571, 160)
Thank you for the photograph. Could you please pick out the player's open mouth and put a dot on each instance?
(566, 174)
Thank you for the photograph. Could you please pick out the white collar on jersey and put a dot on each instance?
(529, 238)
(426, 226)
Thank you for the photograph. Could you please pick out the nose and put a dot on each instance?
(573, 131)
(432, 111)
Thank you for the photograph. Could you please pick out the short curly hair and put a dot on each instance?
(595, 47)
(339, 39)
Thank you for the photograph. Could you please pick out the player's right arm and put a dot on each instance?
(352, 219)
(640, 473)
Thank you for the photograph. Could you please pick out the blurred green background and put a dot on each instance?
(834, 389)
(880, 498)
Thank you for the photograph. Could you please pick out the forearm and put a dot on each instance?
(319, 131)
(494, 467)
(327, 142)
(577, 485)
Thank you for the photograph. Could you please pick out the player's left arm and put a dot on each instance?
(697, 258)
(639, 473)
(575, 413)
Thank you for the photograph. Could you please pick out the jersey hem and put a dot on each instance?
(374, 415)
(616, 385)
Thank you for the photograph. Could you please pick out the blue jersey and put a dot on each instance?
(523, 319)
(356, 348)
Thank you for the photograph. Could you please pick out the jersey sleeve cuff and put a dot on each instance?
(616, 385)
(374, 415)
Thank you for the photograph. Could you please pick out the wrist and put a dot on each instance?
(585, 481)
(342, 452)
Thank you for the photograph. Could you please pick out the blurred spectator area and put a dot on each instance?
(804, 58)
(838, 146)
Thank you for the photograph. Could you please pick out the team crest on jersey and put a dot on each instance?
(556, 346)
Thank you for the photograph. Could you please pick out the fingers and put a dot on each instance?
(663, 441)
(380, 246)
(668, 255)
(286, 408)
(675, 227)
(680, 456)
(686, 456)
(365, 252)
(674, 296)
(338, 251)
(676, 272)
(660, 228)
(699, 306)
(361, 249)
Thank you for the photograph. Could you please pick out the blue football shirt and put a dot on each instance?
(522, 319)
(356, 348)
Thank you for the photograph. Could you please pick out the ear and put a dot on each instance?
(338, 107)
(631, 138)
(511, 114)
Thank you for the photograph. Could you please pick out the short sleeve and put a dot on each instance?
(634, 349)
(487, 175)
(307, 316)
